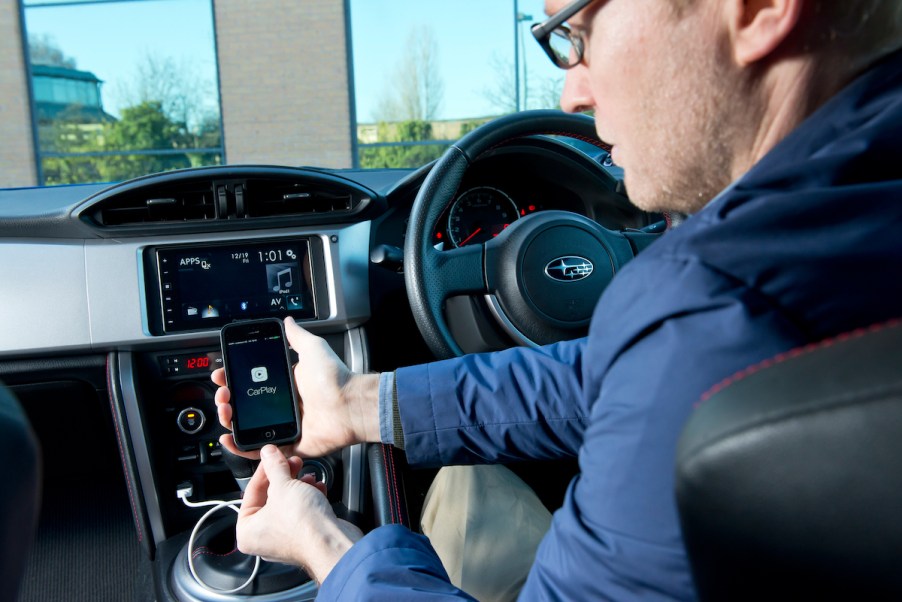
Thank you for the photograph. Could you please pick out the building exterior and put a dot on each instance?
(285, 98)
(17, 157)
(60, 90)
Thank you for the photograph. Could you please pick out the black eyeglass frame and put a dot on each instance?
(543, 31)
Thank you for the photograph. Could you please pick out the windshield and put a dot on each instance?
(111, 90)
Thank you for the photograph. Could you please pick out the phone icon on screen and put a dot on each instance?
(259, 374)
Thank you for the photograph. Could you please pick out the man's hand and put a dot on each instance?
(289, 520)
(338, 407)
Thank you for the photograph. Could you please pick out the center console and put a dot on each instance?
(182, 431)
(198, 287)
(169, 429)
(171, 395)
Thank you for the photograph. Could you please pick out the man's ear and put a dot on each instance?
(759, 26)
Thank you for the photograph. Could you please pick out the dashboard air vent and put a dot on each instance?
(222, 197)
(272, 197)
(161, 204)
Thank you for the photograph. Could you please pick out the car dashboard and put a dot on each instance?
(115, 294)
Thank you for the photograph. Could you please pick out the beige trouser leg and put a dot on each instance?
(485, 523)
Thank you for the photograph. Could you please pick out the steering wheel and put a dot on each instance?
(541, 276)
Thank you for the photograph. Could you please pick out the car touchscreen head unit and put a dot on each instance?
(208, 286)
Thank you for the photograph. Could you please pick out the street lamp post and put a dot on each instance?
(519, 18)
(516, 56)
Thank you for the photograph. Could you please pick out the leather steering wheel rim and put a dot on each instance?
(431, 276)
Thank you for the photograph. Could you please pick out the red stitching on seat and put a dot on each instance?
(394, 473)
(128, 483)
(796, 352)
(391, 507)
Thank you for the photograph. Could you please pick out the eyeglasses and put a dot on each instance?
(563, 46)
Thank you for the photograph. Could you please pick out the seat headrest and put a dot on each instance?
(789, 477)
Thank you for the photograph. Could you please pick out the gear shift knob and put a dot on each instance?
(242, 468)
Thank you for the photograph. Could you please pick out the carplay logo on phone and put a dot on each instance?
(261, 391)
(259, 374)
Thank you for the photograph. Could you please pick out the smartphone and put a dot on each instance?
(257, 366)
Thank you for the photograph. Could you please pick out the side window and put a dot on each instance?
(426, 73)
(122, 89)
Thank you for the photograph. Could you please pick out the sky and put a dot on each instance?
(474, 39)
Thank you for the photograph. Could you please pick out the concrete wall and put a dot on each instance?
(16, 143)
(284, 82)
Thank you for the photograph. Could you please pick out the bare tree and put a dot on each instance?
(174, 84)
(546, 94)
(541, 93)
(45, 51)
(502, 94)
(417, 87)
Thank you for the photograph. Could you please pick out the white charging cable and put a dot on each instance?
(184, 492)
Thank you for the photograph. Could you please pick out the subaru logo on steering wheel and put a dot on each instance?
(569, 268)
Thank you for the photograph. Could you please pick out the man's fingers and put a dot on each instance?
(222, 395)
(224, 413)
(311, 480)
(297, 336)
(274, 468)
(275, 464)
(228, 442)
(218, 377)
(223, 408)
(255, 494)
(295, 463)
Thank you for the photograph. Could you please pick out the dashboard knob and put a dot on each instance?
(321, 471)
(191, 420)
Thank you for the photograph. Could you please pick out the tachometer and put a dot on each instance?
(480, 214)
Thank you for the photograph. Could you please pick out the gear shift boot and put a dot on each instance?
(219, 563)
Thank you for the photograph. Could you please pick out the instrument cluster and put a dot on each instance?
(479, 214)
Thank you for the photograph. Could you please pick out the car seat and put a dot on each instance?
(789, 475)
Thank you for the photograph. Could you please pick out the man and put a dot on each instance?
(777, 124)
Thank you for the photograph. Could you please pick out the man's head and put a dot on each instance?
(692, 93)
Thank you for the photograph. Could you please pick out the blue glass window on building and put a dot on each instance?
(122, 88)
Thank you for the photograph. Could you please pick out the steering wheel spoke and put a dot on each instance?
(458, 271)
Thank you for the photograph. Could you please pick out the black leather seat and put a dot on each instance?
(789, 478)
(19, 493)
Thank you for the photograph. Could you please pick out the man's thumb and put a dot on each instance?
(275, 464)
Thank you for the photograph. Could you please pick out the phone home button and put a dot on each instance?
(271, 433)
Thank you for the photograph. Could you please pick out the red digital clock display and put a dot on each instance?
(197, 363)
(189, 363)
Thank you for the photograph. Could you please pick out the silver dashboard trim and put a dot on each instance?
(515, 333)
(105, 304)
(331, 284)
(353, 457)
(43, 297)
(139, 446)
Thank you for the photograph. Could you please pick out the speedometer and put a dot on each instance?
(480, 214)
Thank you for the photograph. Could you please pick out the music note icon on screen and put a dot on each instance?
(283, 280)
